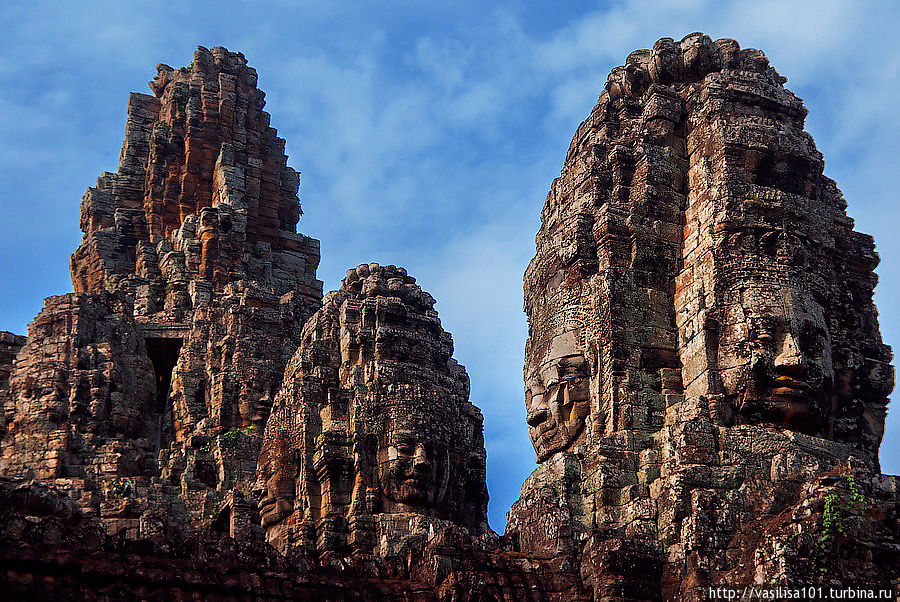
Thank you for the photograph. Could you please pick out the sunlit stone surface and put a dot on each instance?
(703, 363)
(705, 381)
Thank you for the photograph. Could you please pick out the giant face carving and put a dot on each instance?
(371, 409)
(775, 359)
(278, 470)
(276, 482)
(413, 464)
(557, 396)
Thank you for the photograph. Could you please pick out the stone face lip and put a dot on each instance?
(144, 394)
(704, 366)
(372, 439)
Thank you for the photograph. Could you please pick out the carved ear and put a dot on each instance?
(711, 331)
(593, 357)
(369, 451)
(475, 495)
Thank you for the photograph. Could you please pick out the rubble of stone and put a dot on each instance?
(145, 393)
(705, 380)
(703, 366)
(50, 550)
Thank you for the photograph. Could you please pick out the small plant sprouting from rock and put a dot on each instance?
(217, 502)
(122, 487)
(233, 436)
(857, 498)
(821, 541)
(231, 439)
(833, 522)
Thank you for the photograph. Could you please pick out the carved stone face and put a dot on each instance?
(557, 396)
(775, 359)
(413, 468)
(276, 482)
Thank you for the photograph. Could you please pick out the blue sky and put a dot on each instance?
(427, 137)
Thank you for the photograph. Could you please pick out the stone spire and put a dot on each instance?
(701, 327)
(203, 194)
(144, 394)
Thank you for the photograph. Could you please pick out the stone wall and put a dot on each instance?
(49, 550)
(703, 346)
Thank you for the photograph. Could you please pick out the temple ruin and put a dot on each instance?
(704, 379)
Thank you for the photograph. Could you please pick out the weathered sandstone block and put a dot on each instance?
(702, 338)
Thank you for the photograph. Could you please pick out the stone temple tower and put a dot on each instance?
(191, 287)
(373, 443)
(705, 379)
(703, 359)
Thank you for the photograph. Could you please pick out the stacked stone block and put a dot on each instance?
(697, 265)
(145, 393)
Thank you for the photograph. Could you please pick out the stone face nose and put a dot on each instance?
(420, 461)
(259, 490)
(790, 360)
(561, 393)
(537, 415)
(536, 406)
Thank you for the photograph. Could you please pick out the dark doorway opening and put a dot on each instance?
(222, 522)
(164, 355)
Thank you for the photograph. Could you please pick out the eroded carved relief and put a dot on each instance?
(372, 437)
(699, 309)
(557, 393)
(413, 463)
(775, 359)
(277, 477)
